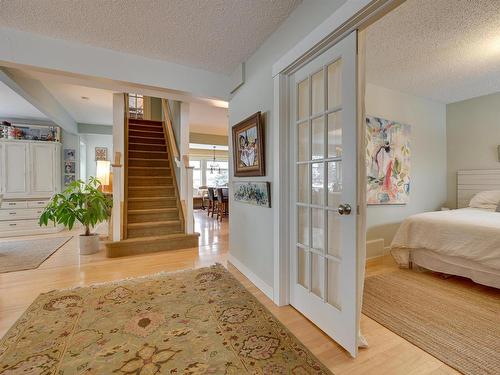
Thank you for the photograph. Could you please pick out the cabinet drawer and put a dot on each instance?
(30, 213)
(19, 225)
(40, 203)
(14, 204)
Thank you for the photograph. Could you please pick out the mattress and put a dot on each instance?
(468, 234)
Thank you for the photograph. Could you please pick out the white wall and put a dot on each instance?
(473, 132)
(96, 140)
(428, 156)
(251, 228)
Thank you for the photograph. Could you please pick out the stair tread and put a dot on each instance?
(151, 198)
(143, 137)
(153, 210)
(149, 167)
(156, 238)
(146, 159)
(148, 224)
(144, 144)
(150, 187)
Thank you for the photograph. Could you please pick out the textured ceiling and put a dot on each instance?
(14, 106)
(215, 35)
(445, 50)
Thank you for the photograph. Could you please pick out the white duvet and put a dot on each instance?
(469, 233)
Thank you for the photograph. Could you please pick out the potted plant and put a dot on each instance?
(82, 202)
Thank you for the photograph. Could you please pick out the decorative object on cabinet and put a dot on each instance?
(101, 153)
(248, 147)
(387, 161)
(82, 202)
(30, 132)
(256, 193)
(30, 173)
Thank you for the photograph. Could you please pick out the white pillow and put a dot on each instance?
(486, 199)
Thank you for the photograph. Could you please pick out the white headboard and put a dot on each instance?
(470, 182)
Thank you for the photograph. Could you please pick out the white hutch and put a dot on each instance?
(30, 173)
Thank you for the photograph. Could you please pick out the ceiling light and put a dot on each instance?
(85, 98)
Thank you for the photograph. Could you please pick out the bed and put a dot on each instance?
(463, 242)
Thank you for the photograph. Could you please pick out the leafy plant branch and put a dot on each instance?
(82, 202)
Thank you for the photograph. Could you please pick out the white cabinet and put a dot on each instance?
(29, 169)
(43, 173)
(15, 169)
(30, 173)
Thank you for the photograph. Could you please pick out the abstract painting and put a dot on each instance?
(256, 193)
(248, 147)
(387, 161)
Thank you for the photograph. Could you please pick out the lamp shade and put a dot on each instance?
(102, 171)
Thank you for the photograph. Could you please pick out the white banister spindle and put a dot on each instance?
(189, 200)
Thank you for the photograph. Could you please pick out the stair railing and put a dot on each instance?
(186, 194)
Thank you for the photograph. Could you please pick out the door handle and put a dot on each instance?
(344, 209)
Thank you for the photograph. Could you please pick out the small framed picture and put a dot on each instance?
(101, 153)
(69, 154)
(68, 179)
(69, 167)
(248, 147)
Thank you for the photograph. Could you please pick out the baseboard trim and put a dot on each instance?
(257, 281)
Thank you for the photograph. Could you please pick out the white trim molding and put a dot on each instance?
(256, 280)
(352, 15)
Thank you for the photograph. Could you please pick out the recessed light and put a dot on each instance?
(85, 98)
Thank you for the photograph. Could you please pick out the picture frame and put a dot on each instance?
(101, 153)
(249, 147)
(257, 193)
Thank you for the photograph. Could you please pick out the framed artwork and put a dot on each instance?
(69, 167)
(68, 179)
(101, 153)
(248, 147)
(69, 154)
(256, 193)
(387, 161)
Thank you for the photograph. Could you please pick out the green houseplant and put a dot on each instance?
(80, 202)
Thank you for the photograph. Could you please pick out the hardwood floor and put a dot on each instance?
(387, 353)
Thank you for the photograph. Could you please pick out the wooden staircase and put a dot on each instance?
(153, 216)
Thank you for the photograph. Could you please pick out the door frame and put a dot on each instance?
(353, 15)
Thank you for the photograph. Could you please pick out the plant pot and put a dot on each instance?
(88, 244)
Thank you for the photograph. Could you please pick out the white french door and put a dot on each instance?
(323, 150)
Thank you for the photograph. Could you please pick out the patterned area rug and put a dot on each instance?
(27, 254)
(192, 322)
(454, 320)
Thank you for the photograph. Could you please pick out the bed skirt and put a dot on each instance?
(436, 262)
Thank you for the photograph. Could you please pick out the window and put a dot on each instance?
(196, 164)
(203, 175)
(217, 173)
(136, 106)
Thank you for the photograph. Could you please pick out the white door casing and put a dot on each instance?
(323, 176)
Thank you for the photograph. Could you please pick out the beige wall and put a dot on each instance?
(473, 133)
(428, 157)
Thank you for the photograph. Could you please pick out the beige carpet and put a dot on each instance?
(193, 322)
(27, 254)
(454, 320)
